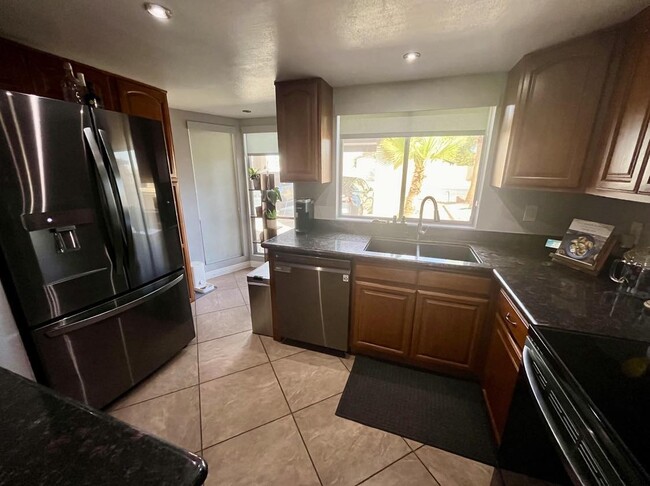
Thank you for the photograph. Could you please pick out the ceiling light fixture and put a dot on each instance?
(411, 56)
(158, 11)
(246, 111)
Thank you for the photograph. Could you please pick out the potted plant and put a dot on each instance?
(254, 179)
(272, 197)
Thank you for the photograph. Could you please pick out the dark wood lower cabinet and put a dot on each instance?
(447, 330)
(420, 317)
(500, 375)
(380, 313)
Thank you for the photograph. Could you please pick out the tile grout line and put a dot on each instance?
(198, 379)
(316, 403)
(293, 418)
(152, 398)
(225, 336)
(425, 466)
(199, 383)
(385, 467)
(249, 430)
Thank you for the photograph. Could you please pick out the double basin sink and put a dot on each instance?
(439, 251)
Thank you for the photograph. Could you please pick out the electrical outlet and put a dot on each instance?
(530, 213)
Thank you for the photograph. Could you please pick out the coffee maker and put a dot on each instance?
(304, 215)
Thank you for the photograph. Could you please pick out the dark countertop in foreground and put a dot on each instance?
(548, 293)
(51, 440)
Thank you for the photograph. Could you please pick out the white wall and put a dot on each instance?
(12, 352)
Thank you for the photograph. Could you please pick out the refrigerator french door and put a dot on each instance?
(91, 257)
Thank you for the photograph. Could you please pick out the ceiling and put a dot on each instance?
(222, 56)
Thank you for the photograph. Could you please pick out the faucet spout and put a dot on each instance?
(436, 214)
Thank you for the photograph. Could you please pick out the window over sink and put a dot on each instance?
(388, 163)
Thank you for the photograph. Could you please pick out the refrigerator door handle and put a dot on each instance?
(72, 325)
(116, 233)
(122, 200)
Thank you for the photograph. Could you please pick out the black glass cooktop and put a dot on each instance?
(615, 375)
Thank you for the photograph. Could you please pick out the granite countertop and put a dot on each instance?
(51, 440)
(548, 293)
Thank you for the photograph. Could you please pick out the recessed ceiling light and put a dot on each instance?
(246, 111)
(158, 11)
(411, 56)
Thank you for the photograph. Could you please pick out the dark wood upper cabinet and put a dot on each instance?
(625, 138)
(305, 126)
(447, 329)
(138, 99)
(14, 72)
(549, 114)
(46, 72)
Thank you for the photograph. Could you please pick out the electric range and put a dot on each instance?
(593, 393)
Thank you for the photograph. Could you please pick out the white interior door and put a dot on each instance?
(217, 189)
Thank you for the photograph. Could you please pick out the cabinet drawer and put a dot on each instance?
(386, 273)
(512, 319)
(454, 282)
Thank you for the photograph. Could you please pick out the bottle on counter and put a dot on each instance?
(72, 88)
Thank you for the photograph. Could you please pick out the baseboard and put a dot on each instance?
(232, 268)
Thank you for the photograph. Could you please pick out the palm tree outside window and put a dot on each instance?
(387, 173)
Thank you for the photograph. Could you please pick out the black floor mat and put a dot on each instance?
(436, 410)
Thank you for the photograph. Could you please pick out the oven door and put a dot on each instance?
(581, 449)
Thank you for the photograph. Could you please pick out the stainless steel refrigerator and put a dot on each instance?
(90, 252)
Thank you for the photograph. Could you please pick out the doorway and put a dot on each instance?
(217, 179)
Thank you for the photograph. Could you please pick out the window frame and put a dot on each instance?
(483, 162)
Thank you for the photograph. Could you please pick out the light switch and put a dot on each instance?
(530, 213)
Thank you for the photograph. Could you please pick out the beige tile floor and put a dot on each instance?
(262, 413)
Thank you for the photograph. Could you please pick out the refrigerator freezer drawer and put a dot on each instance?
(96, 356)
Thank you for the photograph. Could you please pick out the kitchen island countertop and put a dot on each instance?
(48, 439)
(548, 293)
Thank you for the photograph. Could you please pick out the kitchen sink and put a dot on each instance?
(441, 251)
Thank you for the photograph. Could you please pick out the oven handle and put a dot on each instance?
(530, 355)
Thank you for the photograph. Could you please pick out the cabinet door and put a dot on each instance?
(297, 118)
(447, 329)
(556, 109)
(14, 73)
(47, 73)
(500, 375)
(626, 129)
(382, 319)
(141, 100)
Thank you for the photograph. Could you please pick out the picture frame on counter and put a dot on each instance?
(586, 246)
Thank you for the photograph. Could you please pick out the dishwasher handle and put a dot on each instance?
(287, 267)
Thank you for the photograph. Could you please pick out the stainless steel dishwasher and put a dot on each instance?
(312, 299)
